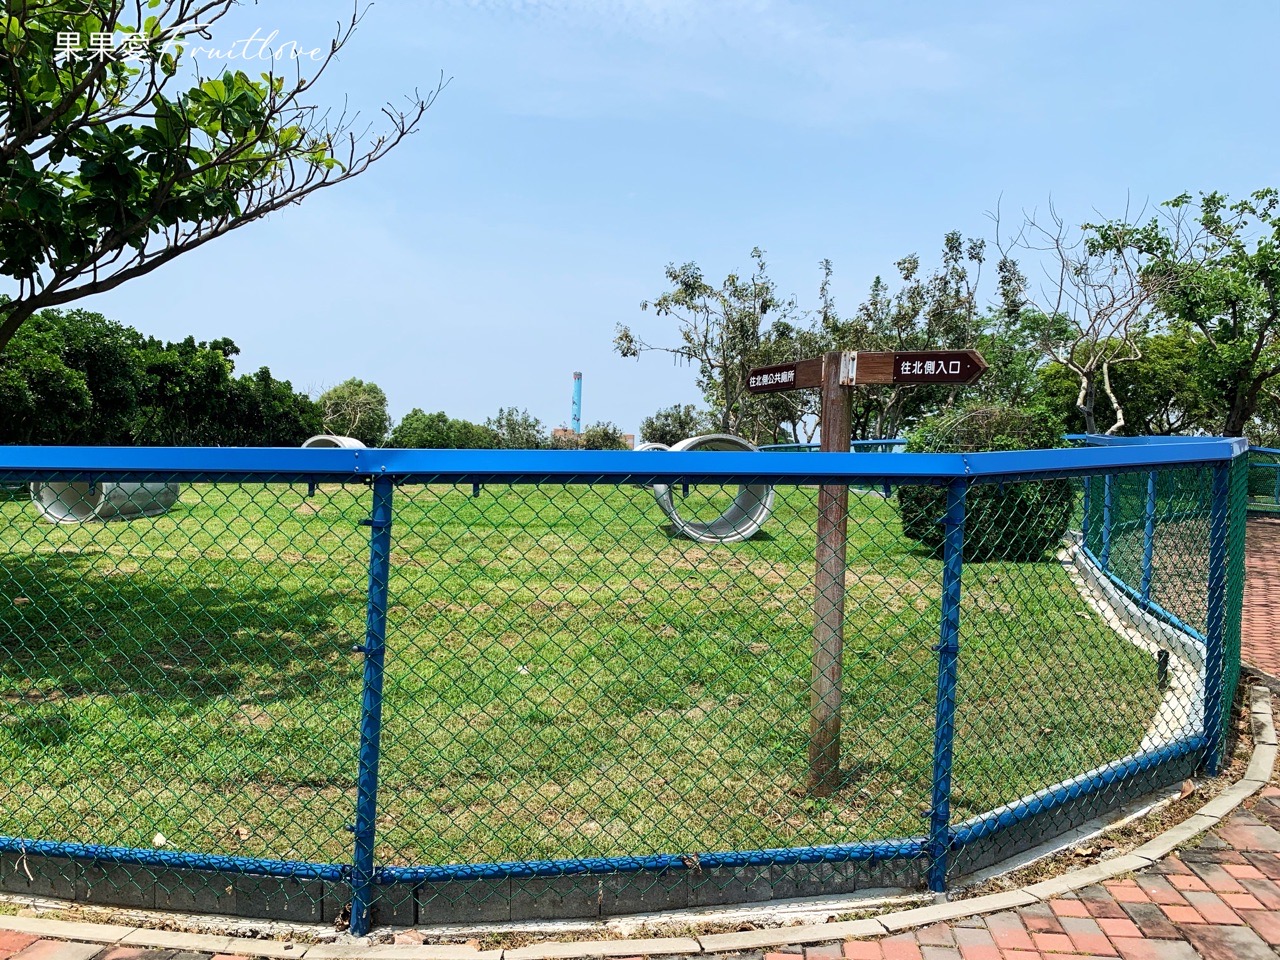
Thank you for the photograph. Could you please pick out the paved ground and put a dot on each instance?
(1260, 644)
(1217, 901)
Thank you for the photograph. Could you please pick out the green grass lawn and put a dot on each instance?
(564, 678)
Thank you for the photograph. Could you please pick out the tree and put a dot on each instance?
(1010, 345)
(1161, 391)
(517, 430)
(185, 392)
(788, 415)
(1093, 302)
(74, 376)
(422, 431)
(720, 332)
(672, 424)
(438, 431)
(106, 173)
(472, 436)
(604, 436)
(356, 409)
(71, 377)
(266, 412)
(1213, 269)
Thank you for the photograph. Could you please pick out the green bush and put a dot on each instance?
(1010, 521)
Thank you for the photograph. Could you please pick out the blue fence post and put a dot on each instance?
(944, 724)
(1148, 539)
(374, 649)
(1277, 488)
(1106, 522)
(1216, 617)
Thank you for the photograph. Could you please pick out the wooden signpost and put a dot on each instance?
(837, 374)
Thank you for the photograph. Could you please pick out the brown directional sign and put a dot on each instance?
(786, 376)
(919, 366)
(868, 367)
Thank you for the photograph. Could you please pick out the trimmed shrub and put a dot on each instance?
(1009, 521)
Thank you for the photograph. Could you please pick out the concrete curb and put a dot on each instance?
(1261, 766)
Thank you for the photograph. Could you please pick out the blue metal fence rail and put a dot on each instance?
(384, 470)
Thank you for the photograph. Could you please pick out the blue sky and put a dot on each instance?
(581, 145)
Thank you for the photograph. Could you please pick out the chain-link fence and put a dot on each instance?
(1264, 480)
(334, 685)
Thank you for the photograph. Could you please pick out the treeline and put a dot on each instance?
(1166, 326)
(75, 377)
(510, 429)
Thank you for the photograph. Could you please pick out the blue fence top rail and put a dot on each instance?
(854, 445)
(1106, 440)
(495, 466)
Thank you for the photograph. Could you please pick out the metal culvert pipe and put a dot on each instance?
(330, 440)
(654, 445)
(743, 518)
(80, 501)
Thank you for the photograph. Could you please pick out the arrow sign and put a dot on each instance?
(798, 375)
(868, 367)
(918, 366)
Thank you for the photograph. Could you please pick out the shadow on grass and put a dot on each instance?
(71, 627)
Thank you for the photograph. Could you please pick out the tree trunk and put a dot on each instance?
(1115, 403)
(1244, 403)
(1085, 399)
(1243, 406)
(12, 316)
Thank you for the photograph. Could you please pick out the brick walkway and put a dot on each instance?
(1259, 641)
(1217, 901)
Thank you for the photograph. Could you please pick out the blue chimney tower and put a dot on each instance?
(575, 418)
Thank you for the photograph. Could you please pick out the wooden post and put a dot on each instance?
(825, 693)
(837, 374)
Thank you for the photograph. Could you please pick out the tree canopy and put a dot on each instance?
(1169, 325)
(75, 377)
(1213, 269)
(356, 409)
(117, 154)
(672, 424)
(439, 431)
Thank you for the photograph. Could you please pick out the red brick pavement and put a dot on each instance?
(1213, 901)
(1259, 643)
